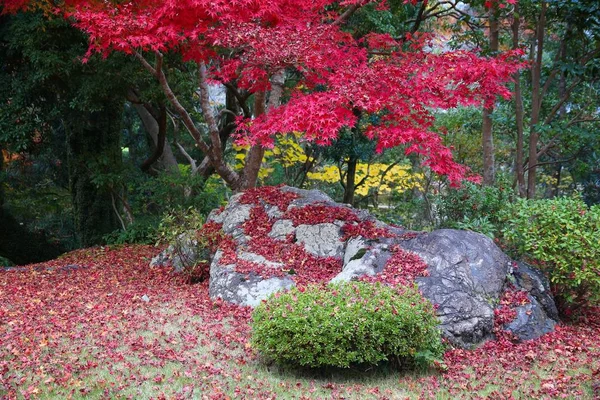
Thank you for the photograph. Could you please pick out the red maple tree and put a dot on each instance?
(253, 45)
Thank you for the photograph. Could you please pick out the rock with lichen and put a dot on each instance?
(274, 238)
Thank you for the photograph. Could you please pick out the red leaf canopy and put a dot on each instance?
(399, 81)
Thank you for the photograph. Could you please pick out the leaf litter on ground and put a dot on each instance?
(120, 329)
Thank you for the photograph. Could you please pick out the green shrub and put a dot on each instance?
(480, 224)
(178, 229)
(142, 231)
(474, 206)
(564, 235)
(345, 324)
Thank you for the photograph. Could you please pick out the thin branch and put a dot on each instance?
(114, 205)
(551, 162)
(363, 180)
(347, 14)
(576, 121)
(146, 64)
(342, 175)
(387, 170)
(240, 98)
(562, 101)
(419, 18)
(185, 116)
(187, 156)
(226, 111)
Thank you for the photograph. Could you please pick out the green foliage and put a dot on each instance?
(345, 324)
(183, 190)
(142, 231)
(177, 229)
(474, 207)
(5, 262)
(178, 222)
(563, 234)
(479, 224)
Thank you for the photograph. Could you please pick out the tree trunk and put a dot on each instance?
(94, 152)
(166, 159)
(489, 172)
(254, 157)
(520, 148)
(255, 154)
(350, 181)
(536, 104)
(205, 169)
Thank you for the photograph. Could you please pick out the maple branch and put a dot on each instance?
(347, 14)
(362, 181)
(114, 206)
(341, 174)
(419, 18)
(187, 156)
(227, 111)
(146, 64)
(387, 170)
(241, 99)
(164, 84)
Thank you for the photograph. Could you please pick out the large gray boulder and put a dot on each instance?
(466, 277)
(537, 285)
(467, 274)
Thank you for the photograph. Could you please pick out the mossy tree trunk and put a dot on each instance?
(94, 162)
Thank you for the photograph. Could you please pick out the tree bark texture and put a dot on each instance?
(519, 113)
(536, 104)
(166, 159)
(489, 171)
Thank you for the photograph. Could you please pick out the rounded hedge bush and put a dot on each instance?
(563, 235)
(345, 324)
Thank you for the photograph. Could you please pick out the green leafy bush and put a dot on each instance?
(563, 234)
(345, 324)
(474, 207)
(178, 229)
(480, 224)
(142, 231)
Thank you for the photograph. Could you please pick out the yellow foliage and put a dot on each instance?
(398, 178)
(286, 152)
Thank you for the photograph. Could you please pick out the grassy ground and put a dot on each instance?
(91, 333)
